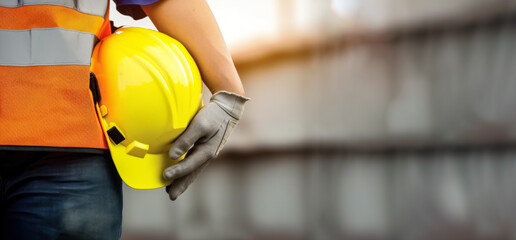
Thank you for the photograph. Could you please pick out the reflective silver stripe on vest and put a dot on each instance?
(45, 46)
(94, 7)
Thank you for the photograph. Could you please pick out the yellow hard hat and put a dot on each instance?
(150, 89)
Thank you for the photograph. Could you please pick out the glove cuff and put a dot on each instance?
(231, 103)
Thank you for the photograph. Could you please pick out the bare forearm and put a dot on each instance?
(192, 23)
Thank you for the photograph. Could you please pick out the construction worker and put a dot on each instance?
(57, 180)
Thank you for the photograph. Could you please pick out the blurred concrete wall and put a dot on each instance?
(436, 85)
(399, 124)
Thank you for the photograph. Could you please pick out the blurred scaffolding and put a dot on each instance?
(370, 120)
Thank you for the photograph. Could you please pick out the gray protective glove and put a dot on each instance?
(203, 139)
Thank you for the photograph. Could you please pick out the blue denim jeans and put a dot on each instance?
(57, 195)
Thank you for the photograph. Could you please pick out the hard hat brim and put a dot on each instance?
(137, 172)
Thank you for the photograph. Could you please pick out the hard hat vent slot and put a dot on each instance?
(116, 135)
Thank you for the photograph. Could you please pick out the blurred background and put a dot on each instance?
(370, 120)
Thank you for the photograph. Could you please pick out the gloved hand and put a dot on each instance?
(203, 139)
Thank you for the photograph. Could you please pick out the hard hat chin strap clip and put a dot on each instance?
(115, 134)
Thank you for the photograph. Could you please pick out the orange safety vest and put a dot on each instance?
(45, 52)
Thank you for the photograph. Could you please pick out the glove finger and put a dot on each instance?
(186, 140)
(179, 186)
(194, 159)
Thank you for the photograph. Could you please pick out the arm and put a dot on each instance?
(192, 23)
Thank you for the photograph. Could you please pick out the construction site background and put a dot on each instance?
(369, 120)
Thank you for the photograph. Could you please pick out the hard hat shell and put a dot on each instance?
(150, 89)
